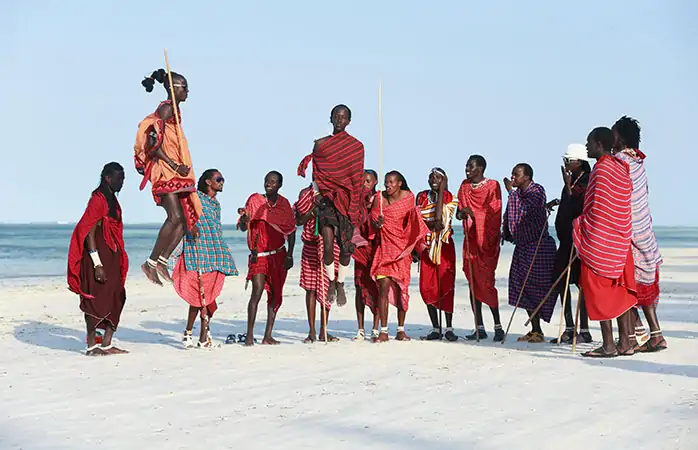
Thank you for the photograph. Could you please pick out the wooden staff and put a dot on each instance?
(547, 296)
(576, 321)
(324, 317)
(380, 144)
(175, 107)
(175, 111)
(564, 295)
(470, 282)
(528, 273)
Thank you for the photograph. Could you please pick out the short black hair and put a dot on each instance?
(372, 173)
(603, 136)
(341, 107)
(278, 174)
(629, 131)
(527, 169)
(400, 177)
(479, 161)
(207, 175)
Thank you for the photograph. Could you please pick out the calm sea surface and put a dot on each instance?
(40, 251)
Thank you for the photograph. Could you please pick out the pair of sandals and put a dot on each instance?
(532, 337)
(100, 350)
(320, 338)
(237, 339)
(437, 336)
(601, 352)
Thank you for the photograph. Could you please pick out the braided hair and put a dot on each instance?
(109, 170)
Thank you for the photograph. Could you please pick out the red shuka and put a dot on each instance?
(602, 236)
(269, 226)
(338, 170)
(483, 236)
(403, 229)
(113, 231)
(313, 275)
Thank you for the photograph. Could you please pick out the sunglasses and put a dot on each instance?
(220, 179)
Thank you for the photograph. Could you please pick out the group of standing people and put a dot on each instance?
(607, 246)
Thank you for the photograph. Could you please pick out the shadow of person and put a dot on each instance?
(58, 337)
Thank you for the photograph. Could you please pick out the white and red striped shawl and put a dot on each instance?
(646, 254)
(603, 232)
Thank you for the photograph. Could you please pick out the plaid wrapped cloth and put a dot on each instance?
(213, 253)
(524, 219)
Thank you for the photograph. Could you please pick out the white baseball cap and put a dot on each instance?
(577, 152)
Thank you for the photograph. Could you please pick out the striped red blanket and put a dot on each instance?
(403, 229)
(313, 275)
(603, 232)
(338, 170)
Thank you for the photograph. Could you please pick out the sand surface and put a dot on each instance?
(419, 395)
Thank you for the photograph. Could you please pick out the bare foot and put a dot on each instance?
(341, 295)
(249, 340)
(402, 336)
(332, 292)
(96, 352)
(270, 341)
(151, 274)
(382, 337)
(164, 272)
(330, 338)
(116, 351)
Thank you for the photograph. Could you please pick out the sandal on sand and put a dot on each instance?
(451, 336)
(242, 337)
(231, 339)
(309, 340)
(526, 337)
(95, 350)
(434, 335)
(657, 346)
(536, 338)
(360, 336)
(600, 353)
(330, 338)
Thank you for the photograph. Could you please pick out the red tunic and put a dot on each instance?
(437, 283)
(269, 225)
(403, 229)
(483, 237)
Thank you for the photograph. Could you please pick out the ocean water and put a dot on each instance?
(40, 250)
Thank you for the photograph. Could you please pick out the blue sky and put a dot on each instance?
(506, 79)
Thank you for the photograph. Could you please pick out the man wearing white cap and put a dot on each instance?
(575, 175)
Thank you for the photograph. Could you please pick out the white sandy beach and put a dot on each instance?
(417, 395)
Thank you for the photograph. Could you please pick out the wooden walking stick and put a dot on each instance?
(324, 316)
(547, 296)
(380, 144)
(530, 267)
(576, 321)
(470, 282)
(564, 295)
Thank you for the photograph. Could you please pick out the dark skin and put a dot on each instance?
(475, 174)
(649, 311)
(392, 194)
(115, 183)
(572, 169)
(370, 183)
(174, 228)
(311, 297)
(340, 120)
(214, 185)
(625, 321)
(272, 184)
(437, 183)
(520, 180)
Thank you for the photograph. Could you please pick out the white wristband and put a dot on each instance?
(95, 259)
